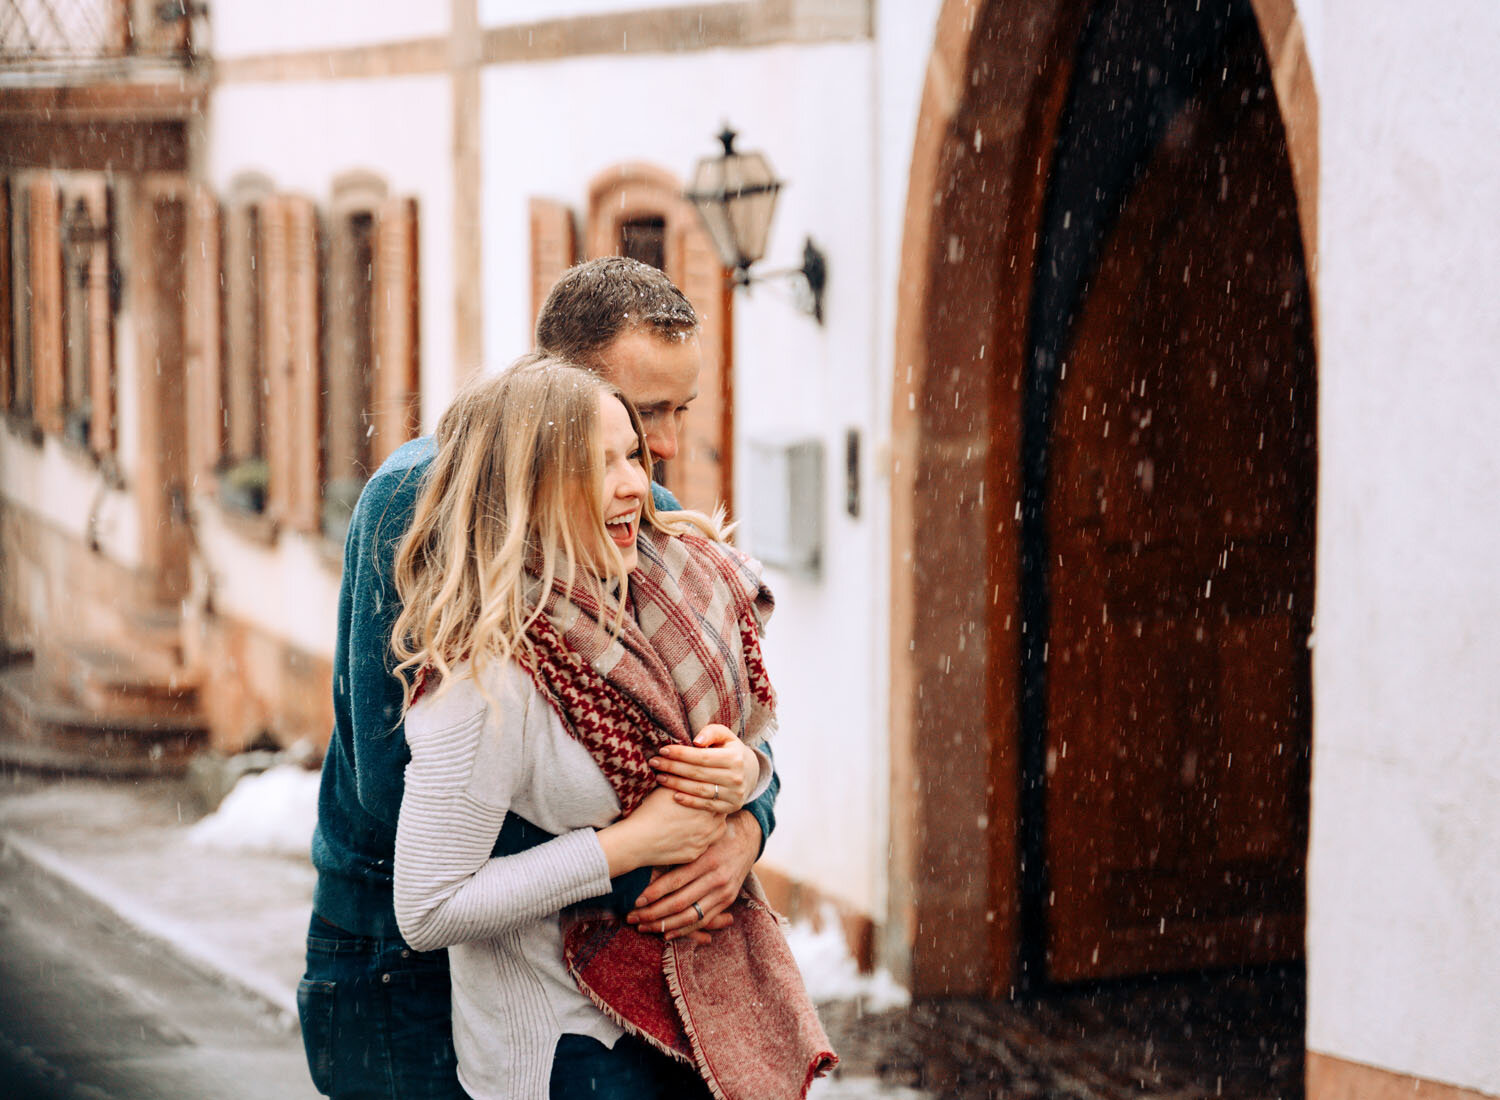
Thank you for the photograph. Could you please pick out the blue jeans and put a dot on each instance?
(583, 1068)
(376, 1018)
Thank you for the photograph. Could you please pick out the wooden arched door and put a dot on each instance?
(1179, 550)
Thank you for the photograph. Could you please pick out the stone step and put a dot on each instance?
(155, 629)
(112, 683)
(152, 630)
(43, 731)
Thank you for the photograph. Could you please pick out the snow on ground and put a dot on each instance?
(861, 1088)
(273, 812)
(830, 971)
(831, 974)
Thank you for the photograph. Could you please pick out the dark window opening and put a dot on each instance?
(21, 304)
(348, 426)
(645, 239)
(244, 471)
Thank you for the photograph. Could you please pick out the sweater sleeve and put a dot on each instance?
(366, 692)
(467, 759)
(763, 806)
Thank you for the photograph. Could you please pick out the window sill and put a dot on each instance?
(76, 451)
(81, 453)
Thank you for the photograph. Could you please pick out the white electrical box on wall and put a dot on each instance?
(786, 501)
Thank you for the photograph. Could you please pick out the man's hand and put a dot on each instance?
(713, 880)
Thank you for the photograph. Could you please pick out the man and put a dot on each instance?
(375, 1014)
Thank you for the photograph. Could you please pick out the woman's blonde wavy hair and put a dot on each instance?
(511, 505)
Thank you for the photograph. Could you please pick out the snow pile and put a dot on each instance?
(832, 974)
(273, 812)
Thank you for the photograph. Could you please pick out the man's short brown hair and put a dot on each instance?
(598, 300)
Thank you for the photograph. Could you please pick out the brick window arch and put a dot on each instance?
(638, 210)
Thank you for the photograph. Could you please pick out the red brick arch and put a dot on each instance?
(993, 93)
(702, 475)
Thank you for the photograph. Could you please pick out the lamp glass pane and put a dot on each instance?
(707, 194)
(751, 190)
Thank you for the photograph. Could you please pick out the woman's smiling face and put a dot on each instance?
(625, 485)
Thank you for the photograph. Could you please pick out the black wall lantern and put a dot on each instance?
(735, 194)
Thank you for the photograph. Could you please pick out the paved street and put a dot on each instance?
(1236, 1035)
(90, 1007)
(91, 1010)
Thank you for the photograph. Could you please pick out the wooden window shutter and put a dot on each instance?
(101, 380)
(702, 475)
(7, 322)
(554, 249)
(46, 310)
(203, 332)
(240, 355)
(394, 397)
(304, 381)
(276, 354)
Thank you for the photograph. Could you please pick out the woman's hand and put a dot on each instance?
(716, 772)
(660, 831)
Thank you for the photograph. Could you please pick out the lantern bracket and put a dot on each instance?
(735, 196)
(811, 279)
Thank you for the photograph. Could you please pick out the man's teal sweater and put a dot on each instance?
(354, 845)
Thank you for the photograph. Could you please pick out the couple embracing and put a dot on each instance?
(549, 754)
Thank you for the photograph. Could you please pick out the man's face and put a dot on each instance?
(660, 376)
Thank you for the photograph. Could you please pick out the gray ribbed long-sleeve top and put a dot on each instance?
(477, 753)
(473, 760)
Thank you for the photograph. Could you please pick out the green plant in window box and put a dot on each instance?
(242, 485)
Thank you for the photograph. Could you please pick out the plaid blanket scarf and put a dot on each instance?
(736, 1008)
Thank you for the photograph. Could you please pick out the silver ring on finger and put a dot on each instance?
(716, 792)
(699, 909)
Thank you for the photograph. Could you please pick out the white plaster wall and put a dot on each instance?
(494, 13)
(1310, 14)
(1403, 965)
(245, 27)
(303, 135)
(59, 484)
(551, 128)
(289, 590)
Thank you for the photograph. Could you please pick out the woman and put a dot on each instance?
(558, 636)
